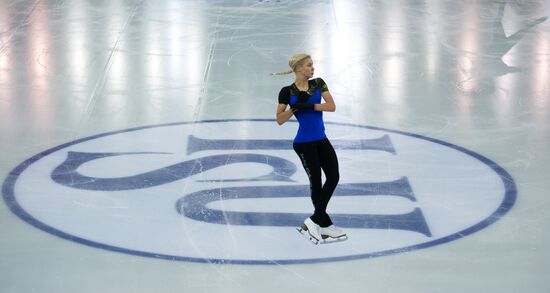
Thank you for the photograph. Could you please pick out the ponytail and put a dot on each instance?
(281, 73)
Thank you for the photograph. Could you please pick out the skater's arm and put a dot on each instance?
(328, 105)
(283, 115)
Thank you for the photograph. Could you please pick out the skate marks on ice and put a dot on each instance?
(479, 63)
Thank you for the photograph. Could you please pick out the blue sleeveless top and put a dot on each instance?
(311, 126)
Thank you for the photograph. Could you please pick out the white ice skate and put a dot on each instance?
(333, 234)
(319, 235)
(310, 229)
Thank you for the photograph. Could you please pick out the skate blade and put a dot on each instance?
(303, 230)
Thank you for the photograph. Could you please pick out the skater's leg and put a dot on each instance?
(329, 164)
(307, 152)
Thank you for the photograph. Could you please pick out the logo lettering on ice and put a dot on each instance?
(232, 191)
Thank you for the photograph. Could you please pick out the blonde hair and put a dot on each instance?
(293, 62)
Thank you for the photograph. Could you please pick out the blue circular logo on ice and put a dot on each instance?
(233, 191)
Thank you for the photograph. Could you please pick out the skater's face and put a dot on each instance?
(305, 68)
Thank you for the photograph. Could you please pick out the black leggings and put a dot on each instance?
(315, 156)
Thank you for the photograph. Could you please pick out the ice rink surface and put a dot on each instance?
(139, 150)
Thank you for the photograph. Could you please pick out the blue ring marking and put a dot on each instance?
(508, 202)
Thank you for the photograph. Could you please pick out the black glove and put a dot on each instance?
(303, 97)
(302, 106)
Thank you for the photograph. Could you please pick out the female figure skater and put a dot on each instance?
(311, 143)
